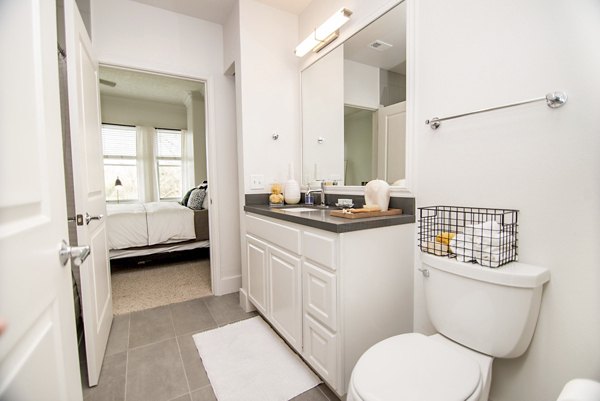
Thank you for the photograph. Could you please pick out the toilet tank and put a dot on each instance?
(491, 310)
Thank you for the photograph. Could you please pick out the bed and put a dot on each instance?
(141, 229)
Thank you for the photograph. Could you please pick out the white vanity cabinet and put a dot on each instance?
(274, 276)
(330, 296)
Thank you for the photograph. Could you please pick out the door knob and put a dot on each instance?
(77, 253)
(89, 218)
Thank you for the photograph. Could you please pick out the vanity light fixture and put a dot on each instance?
(324, 34)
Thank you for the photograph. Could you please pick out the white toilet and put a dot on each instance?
(480, 313)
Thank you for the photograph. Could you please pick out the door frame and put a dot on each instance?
(211, 167)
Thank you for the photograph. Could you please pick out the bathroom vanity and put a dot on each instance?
(331, 287)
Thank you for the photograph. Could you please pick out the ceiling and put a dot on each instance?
(145, 86)
(389, 28)
(218, 10)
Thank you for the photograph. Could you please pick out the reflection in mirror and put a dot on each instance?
(365, 79)
(360, 150)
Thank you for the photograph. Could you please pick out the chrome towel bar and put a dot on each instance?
(553, 100)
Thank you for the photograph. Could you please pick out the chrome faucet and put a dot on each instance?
(321, 191)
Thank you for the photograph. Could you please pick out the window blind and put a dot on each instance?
(118, 141)
(169, 143)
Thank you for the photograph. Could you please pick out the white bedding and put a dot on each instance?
(132, 225)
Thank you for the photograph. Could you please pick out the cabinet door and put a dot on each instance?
(320, 350)
(319, 288)
(285, 296)
(256, 253)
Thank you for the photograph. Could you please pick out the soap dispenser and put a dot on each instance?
(291, 191)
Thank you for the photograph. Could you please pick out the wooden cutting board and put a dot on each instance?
(389, 212)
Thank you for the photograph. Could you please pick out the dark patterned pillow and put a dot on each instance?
(186, 197)
(196, 199)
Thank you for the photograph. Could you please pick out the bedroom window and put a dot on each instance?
(168, 161)
(119, 147)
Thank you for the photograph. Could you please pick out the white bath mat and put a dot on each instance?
(248, 361)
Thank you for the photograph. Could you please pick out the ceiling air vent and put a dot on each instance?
(379, 45)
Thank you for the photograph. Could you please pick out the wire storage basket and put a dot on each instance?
(469, 234)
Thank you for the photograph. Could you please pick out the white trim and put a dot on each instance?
(245, 303)
(213, 191)
(228, 285)
(410, 148)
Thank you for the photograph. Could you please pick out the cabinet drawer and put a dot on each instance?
(319, 290)
(320, 350)
(320, 247)
(279, 234)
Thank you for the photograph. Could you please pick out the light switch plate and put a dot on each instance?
(257, 181)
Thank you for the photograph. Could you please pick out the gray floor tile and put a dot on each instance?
(155, 372)
(192, 363)
(331, 396)
(111, 385)
(150, 326)
(226, 309)
(204, 394)
(191, 317)
(118, 338)
(185, 397)
(314, 394)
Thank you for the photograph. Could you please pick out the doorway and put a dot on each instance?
(156, 185)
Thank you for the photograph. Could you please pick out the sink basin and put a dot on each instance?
(300, 209)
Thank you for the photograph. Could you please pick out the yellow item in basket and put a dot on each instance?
(444, 238)
(436, 248)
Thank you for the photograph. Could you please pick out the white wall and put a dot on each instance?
(131, 34)
(546, 163)
(361, 85)
(269, 92)
(128, 111)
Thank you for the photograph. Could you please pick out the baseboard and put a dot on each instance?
(245, 302)
(228, 285)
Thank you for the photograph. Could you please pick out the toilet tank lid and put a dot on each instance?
(513, 274)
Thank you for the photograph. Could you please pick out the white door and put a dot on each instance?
(38, 346)
(88, 183)
(391, 164)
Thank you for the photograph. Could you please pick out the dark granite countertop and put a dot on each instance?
(320, 218)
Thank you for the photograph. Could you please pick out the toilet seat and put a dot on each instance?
(415, 367)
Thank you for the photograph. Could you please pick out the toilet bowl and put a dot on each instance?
(480, 314)
(416, 367)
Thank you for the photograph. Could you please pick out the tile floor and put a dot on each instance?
(151, 354)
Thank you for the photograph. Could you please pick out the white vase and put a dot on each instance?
(377, 192)
(291, 192)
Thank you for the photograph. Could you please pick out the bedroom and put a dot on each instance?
(154, 153)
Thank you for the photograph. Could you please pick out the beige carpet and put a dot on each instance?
(138, 288)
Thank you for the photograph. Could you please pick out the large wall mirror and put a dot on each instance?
(354, 106)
